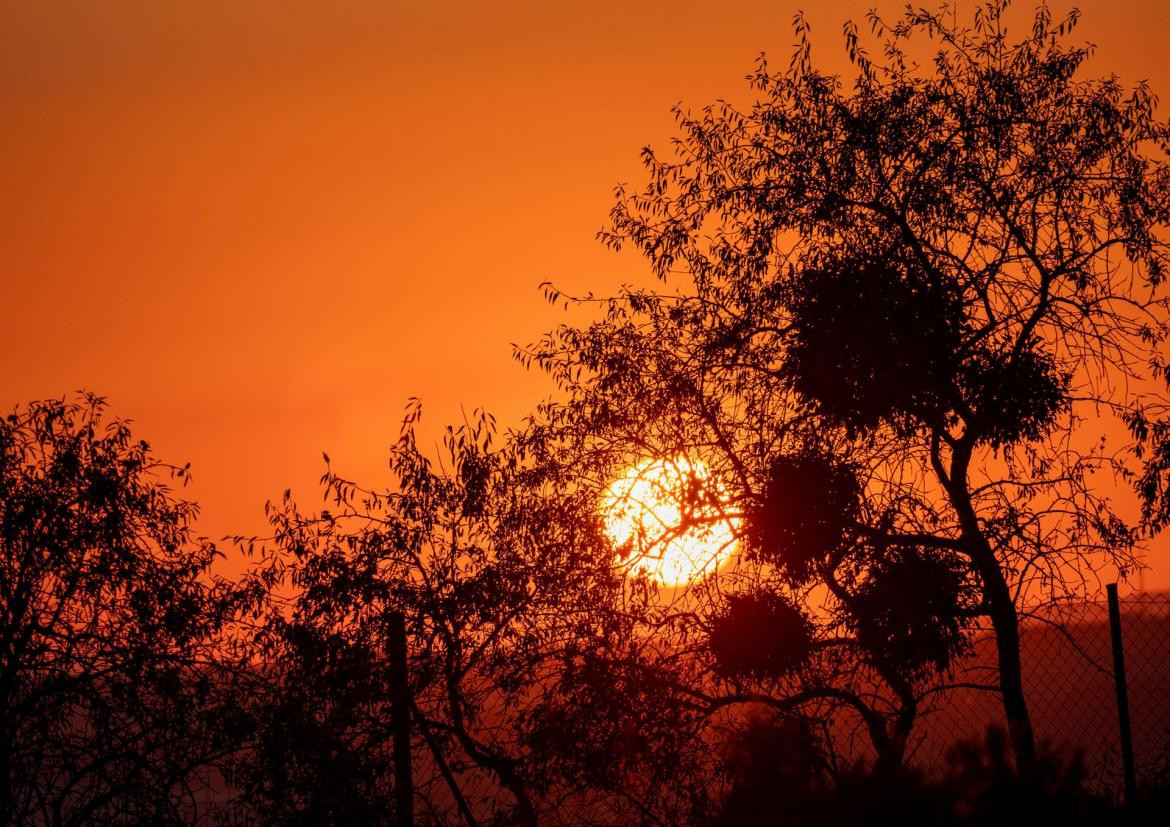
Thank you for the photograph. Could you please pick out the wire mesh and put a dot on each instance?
(1067, 664)
(1067, 661)
(1068, 680)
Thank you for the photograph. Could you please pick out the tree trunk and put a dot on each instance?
(1006, 623)
(892, 751)
(998, 600)
(1007, 640)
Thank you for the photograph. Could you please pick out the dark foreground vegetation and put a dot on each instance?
(898, 315)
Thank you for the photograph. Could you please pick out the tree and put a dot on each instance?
(496, 579)
(108, 618)
(904, 310)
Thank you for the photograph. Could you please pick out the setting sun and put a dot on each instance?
(665, 516)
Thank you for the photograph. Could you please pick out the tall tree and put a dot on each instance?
(905, 308)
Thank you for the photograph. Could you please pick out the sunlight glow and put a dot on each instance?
(666, 517)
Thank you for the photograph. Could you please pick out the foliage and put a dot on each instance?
(840, 311)
(941, 276)
(774, 772)
(317, 749)
(498, 580)
(107, 617)
(804, 514)
(910, 608)
(614, 727)
(759, 634)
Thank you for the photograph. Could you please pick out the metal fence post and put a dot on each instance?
(400, 721)
(1122, 695)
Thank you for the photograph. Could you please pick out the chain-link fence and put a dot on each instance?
(1069, 680)
(1071, 688)
(1145, 629)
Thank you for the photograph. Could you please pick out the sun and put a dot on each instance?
(666, 517)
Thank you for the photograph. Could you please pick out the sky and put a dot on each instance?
(259, 228)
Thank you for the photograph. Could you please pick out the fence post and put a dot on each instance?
(400, 721)
(1122, 695)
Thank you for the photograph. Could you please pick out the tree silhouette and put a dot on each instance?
(107, 625)
(496, 579)
(904, 309)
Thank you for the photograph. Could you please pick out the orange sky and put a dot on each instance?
(259, 227)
